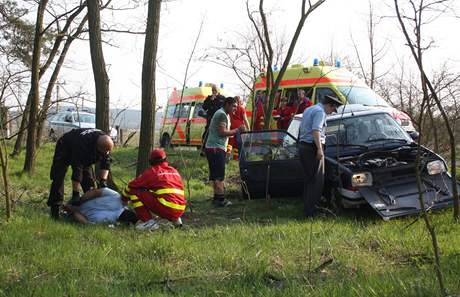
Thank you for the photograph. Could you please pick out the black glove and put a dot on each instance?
(75, 201)
(102, 184)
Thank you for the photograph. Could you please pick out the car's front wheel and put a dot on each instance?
(335, 201)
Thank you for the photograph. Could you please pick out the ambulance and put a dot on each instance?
(190, 116)
(319, 80)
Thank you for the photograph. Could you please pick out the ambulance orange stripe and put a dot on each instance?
(194, 120)
(314, 80)
(186, 98)
(180, 132)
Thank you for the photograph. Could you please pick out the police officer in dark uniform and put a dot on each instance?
(211, 104)
(312, 137)
(80, 149)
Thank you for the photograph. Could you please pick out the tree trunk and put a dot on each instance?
(29, 162)
(22, 129)
(53, 79)
(4, 169)
(101, 79)
(146, 139)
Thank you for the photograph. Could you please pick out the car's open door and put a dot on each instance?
(269, 163)
(401, 196)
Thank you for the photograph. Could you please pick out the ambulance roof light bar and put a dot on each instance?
(315, 62)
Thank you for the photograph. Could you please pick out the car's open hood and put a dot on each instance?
(401, 197)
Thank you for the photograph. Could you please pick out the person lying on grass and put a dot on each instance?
(101, 206)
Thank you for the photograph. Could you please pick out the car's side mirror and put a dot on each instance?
(414, 135)
(202, 113)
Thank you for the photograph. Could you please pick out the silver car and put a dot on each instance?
(63, 122)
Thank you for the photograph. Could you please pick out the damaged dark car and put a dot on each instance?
(369, 158)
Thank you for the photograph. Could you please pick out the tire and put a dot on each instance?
(165, 141)
(335, 201)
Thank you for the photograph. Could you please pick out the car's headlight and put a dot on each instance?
(361, 179)
(435, 167)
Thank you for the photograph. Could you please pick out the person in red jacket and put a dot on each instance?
(259, 103)
(237, 119)
(304, 102)
(159, 189)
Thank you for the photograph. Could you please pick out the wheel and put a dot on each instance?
(335, 201)
(165, 141)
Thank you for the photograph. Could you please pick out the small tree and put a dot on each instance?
(263, 34)
(417, 21)
(53, 79)
(244, 56)
(4, 161)
(34, 89)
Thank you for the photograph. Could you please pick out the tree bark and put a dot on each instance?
(4, 168)
(101, 79)
(22, 129)
(146, 139)
(29, 162)
(4, 158)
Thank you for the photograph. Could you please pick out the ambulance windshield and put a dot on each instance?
(362, 95)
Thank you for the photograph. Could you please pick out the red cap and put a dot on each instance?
(157, 154)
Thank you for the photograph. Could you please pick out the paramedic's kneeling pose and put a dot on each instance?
(101, 206)
(159, 189)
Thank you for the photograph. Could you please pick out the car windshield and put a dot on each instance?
(365, 130)
(85, 118)
(268, 145)
(362, 95)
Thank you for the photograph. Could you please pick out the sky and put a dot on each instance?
(328, 28)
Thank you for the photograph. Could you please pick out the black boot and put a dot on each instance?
(219, 200)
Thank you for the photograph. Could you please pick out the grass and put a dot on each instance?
(254, 248)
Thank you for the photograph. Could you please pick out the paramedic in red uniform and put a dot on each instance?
(237, 119)
(304, 102)
(259, 111)
(159, 189)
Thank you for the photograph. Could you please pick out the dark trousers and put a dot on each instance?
(204, 136)
(314, 177)
(61, 161)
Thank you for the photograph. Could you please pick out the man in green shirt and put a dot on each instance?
(216, 148)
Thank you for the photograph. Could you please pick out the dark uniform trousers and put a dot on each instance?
(61, 161)
(314, 177)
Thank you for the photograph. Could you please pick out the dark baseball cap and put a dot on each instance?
(332, 101)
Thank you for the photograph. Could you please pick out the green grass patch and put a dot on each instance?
(253, 248)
